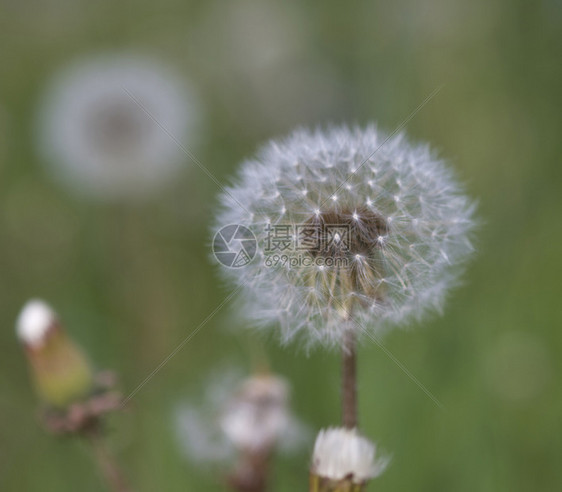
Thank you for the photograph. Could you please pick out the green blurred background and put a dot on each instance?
(131, 280)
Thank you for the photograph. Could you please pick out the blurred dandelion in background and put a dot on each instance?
(107, 125)
(241, 422)
(264, 67)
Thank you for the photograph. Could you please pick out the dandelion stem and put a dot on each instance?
(251, 474)
(107, 465)
(349, 380)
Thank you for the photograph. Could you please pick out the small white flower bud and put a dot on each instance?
(34, 321)
(60, 370)
(343, 454)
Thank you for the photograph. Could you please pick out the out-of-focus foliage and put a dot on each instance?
(133, 279)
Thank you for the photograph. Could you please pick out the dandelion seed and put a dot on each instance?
(381, 229)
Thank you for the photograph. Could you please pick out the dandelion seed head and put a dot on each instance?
(405, 208)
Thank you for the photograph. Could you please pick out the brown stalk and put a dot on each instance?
(349, 380)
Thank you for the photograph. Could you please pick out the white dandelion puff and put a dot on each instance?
(107, 125)
(342, 454)
(391, 244)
